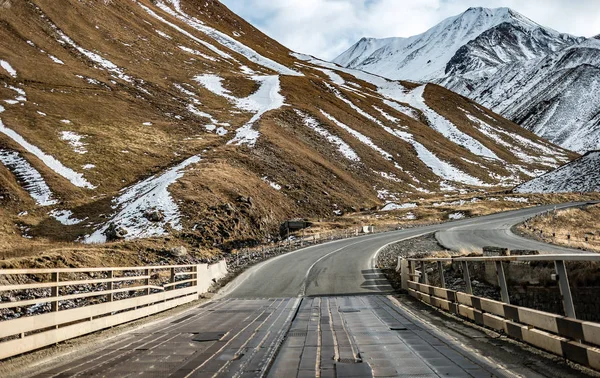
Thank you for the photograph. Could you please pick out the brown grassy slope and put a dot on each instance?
(578, 222)
(109, 112)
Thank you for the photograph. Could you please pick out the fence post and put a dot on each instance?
(441, 272)
(54, 292)
(172, 280)
(404, 272)
(147, 280)
(423, 277)
(111, 285)
(467, 277)
(502, 282)
(565, 289)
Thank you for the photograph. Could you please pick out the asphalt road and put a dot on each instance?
(346, 266)
(319, 311)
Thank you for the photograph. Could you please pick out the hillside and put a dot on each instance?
(136, 119)
(528, 73)
(580, 175)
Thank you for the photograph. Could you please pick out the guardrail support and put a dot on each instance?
(502, 282)
(565, 289)
(441, 272)
(467, 277)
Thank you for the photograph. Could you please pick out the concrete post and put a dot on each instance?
(502, 282)
(467, 277)
(404, 272)
(565, 289)
(441, 273)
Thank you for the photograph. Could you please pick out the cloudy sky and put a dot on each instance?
(326, 28)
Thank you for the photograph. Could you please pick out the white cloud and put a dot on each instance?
(326, 28)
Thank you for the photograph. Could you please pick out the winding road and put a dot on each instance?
(320, 311)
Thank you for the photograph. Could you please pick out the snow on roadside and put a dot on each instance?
(226, 40)
(75, 178)
(265, 99)
(363, 138)
(31, 179)
(151, 194)
(456, 216)
(338, 142)
(8, 68)
(74, 141)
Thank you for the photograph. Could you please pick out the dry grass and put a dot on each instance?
(555, 227)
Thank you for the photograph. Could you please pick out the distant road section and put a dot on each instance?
(495, 230)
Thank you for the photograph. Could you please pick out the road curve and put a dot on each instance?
(346, 267)
(305, 314)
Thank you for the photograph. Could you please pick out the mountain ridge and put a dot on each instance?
(514, 52)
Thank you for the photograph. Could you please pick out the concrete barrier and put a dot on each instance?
(576, 340)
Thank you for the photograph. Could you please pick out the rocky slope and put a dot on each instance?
(580, 175)
(530, 74)
(168, 118)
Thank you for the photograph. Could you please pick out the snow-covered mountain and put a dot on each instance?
(479, 38)
(581, 175)
(530, 74)
(138, 119)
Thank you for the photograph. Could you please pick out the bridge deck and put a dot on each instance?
(354, 336)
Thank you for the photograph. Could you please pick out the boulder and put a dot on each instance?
(114, 232)
(180, 251)
(154, 215)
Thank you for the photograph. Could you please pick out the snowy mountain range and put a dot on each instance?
(530, 74)
(141, 119)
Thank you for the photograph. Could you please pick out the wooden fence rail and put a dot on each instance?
(80, 303)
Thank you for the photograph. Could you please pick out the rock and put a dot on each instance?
(178, 251)
(114, 232)
(154, 215)
(228, 208)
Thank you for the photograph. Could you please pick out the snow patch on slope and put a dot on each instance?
(28, 176)
(8, 68)
(226, 40)
(75, 178)
(265, 99)
(338, 142)
(148, 195)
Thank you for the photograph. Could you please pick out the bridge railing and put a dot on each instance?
(565, 336)
(41, 307)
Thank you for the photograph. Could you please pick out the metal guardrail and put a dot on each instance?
(85, 300)
(565, 336)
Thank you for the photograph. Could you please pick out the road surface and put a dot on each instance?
(320, 311)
